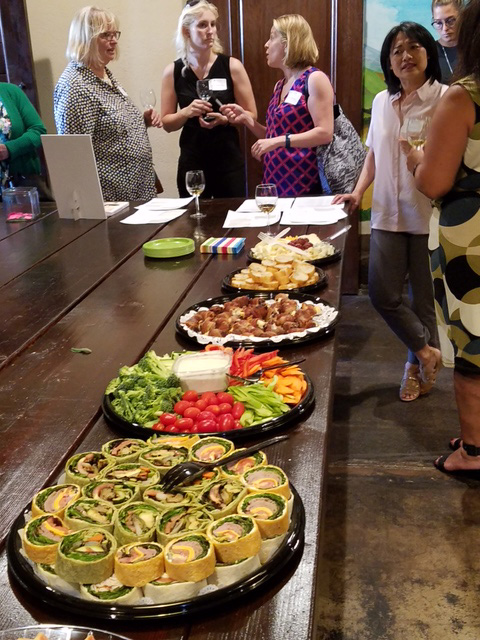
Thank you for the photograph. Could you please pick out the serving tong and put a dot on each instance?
(186, 472)
(255, 377)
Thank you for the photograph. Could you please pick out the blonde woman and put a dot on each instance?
(89, 100)
(445, 15)
(300, 113)
(209, 144)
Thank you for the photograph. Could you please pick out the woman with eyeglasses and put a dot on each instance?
(89, 100)
(208, 141)
(300, 112)
(400, 214)
(444, 20)
(448, 172)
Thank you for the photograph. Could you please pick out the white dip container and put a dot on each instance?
(205, 371)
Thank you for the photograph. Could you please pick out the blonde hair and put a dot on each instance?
(189, 15)
(87, 24)
(300, 47)
(456, 4)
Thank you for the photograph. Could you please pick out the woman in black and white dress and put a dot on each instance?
(89, 100)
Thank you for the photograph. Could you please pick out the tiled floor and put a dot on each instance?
(402, 540)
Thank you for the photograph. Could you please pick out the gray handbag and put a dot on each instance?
(341, 160)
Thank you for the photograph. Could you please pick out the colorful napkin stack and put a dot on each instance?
(222, 245)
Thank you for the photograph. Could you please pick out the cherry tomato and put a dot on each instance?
(171, 428)
(206, 426)
(167, 418)
(226, 422)
(190, 396)
(210, 397)
(201, 404)
(213, 408)
(180, 406)
(238, 410)
(237, 425)
(158, 426)
(205, 415)
(223, 396)
(184, 424)
(191, 412)
(194, 429)
(225, 407)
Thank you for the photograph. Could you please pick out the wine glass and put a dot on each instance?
(417, 132)
(195, 184)
(266, 197)
(204, 93)
(148, 98)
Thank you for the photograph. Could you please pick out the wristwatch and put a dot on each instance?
(287, 141)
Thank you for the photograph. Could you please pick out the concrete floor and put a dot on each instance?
(401, 545)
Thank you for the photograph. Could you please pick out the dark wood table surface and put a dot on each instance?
(67, 284)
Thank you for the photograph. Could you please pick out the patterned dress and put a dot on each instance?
(294, 171)
(83, 103)
(455, 256)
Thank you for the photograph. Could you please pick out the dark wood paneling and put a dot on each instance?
(17, 46)
(350, 60)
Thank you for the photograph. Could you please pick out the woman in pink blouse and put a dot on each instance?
(400, 214)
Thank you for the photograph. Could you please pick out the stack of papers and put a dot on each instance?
(249, 215)
(314, 210)
(158, 211)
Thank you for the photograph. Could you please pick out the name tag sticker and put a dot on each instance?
(217, 84)
(293, 97)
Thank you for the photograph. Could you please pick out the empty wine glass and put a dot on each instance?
(266, 198)
(417, 132)
(204, 93)
(195, 184)
(148, 98)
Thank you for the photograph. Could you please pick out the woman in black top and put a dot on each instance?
(444, 19)
(211, 145)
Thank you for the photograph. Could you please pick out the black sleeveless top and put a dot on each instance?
(221, 142)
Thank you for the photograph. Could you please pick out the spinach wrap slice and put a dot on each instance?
(86, 556)
(136, 522)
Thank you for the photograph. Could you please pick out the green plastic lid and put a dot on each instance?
(168, 247)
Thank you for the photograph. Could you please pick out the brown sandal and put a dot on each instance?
(410, 385)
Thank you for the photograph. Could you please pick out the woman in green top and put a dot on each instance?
(20, 131)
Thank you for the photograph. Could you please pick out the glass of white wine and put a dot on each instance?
(195, 184)
(266, 198)
(204, 93)
(148, 98)
(417, 132)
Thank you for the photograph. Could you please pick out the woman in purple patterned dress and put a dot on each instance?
(300, 113)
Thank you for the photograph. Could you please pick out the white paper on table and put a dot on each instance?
(165, 204)
(237, 219)
(316, 202)
(144, 216)
(249, 206)
(308, 215)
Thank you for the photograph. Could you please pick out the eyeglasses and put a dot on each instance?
(191, 3)
(449, 22)
(110, 35)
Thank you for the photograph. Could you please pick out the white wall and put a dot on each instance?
(146, 47)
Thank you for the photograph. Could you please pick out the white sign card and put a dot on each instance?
(74, 177)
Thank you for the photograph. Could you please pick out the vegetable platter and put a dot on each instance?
(57, 632)
(208, 392)
(260, 320)
(108, 542)
(314, 250)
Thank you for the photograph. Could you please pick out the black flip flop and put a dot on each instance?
(460, 473)
(455, 443)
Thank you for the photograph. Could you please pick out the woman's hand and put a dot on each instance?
(351, 200)
(197, 108)
(216, 120)
(263, 146)
(152, 118)
(236, 114)
(4, 153)
(414, 158)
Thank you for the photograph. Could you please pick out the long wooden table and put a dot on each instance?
(67, 284)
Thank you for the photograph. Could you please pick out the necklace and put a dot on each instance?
(446, 58)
